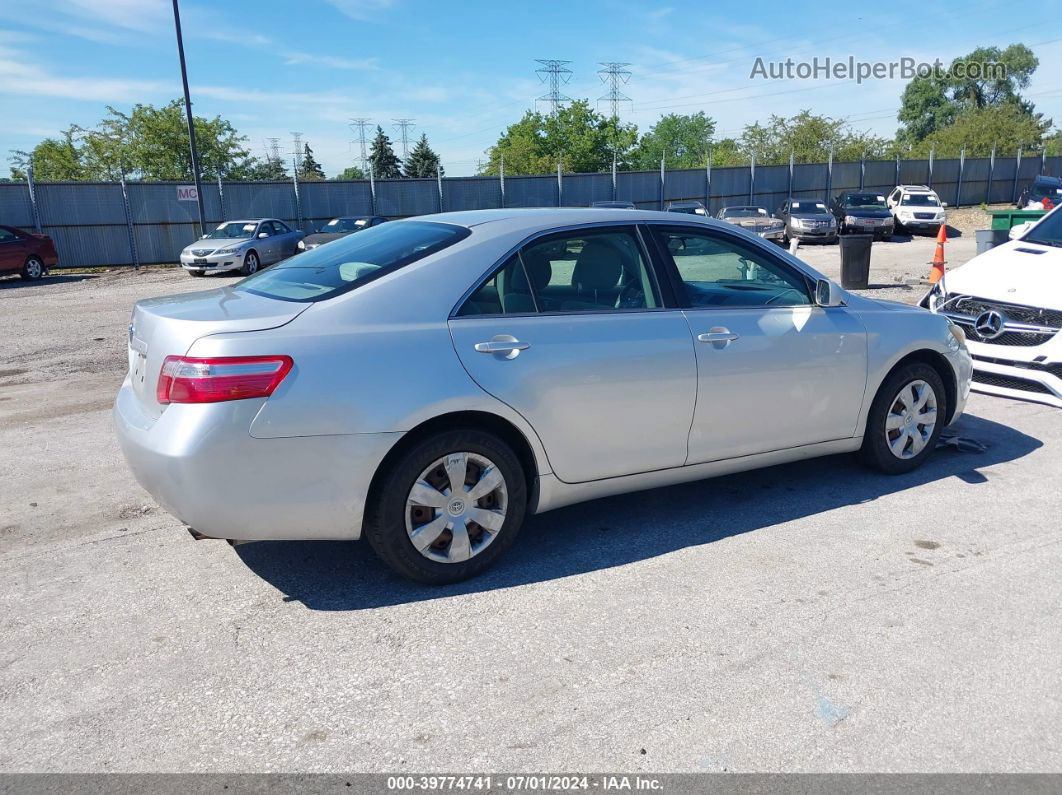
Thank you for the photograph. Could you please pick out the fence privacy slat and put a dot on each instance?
(89, 225)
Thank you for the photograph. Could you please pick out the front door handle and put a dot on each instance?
(719, 336)
(501, 346)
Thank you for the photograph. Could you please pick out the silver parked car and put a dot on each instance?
(429, 382)
(242, 246)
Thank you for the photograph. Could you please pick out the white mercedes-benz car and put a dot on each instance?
(1009, 302)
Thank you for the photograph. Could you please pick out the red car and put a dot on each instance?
(25, 253)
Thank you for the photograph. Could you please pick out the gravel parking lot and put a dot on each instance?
(808, 617)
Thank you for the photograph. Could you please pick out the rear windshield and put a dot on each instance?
(339, 267)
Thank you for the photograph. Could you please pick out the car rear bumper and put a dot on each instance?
(201, 464)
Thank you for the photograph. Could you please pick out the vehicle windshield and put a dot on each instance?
(920, 200)
(351, 261)
(1047, 232)
(808, 207)
(234, 229)
(868, 201)
(345, 225)
(744, 212)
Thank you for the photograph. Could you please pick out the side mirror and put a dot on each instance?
(1018, 230)
(204, 237)
(827, 293)
(943, 204)
(263, 235)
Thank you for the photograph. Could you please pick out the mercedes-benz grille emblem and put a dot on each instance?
(989, 325)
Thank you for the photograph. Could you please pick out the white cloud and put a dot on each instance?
(362, 10)
(293, 58)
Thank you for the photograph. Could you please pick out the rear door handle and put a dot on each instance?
(719, 336)
(501, 346)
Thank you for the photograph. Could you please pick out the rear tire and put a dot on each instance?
(899, 436)
(251, 263)
(32, 270)
(419, 478)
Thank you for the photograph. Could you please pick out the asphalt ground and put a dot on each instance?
(808, 617)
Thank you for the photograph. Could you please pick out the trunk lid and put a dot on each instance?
(168, 326)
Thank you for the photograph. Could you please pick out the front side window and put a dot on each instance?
(722, 272)
(6, 236)
(280, 228)
(327, 271)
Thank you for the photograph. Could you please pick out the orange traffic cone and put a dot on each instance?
(936, 273)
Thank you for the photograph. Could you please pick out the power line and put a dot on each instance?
(361, 124)
(403, 125)
(555, 73)
(614, 74)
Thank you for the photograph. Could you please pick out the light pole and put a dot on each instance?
(191, 122)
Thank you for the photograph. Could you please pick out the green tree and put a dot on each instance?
(422, 160)
(1005, 127)
(726, 152)
(309, 169)
(935, 101)
(385, 163)
(53, 159)
(577, 136)
(351, 173)
(146, 143)
(682, 140)
(267, 169)
(809, 138)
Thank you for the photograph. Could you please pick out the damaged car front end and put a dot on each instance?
(1008, 301)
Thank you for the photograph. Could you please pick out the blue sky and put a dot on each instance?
(463, 70)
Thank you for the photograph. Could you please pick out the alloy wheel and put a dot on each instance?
(911, 419)
(34, 269)
(456, 507)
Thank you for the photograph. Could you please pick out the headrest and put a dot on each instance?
(598, 267)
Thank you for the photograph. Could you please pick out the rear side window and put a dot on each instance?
(594, 270)
(328, 271)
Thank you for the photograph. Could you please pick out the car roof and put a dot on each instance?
(247, 221)
(916, 188)
(535, 219)
(1046, 180)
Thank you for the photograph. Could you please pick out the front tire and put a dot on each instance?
(448, 507)
(251, 264)
(905, 420)
(197, 273)
(32, 270)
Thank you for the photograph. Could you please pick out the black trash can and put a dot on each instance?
(855, 261)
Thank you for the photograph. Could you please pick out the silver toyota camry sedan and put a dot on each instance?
(429, 382)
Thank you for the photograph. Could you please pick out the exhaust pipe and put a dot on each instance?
(195, 534)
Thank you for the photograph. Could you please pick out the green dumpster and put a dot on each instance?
(1005, 219)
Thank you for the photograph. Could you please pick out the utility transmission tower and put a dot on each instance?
(403, 125)
(360, 125)
(296, 148)
(555, 73)
(614, 74)
(274, 150)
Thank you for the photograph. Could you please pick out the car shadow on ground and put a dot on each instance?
(17, 283)
(339, 575)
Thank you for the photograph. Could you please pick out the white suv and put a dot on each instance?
(916, 208)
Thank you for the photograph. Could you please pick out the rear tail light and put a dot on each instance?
(188, 380)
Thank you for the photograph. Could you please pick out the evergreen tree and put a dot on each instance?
(422, 160)
(385, 163)
(309, 169)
